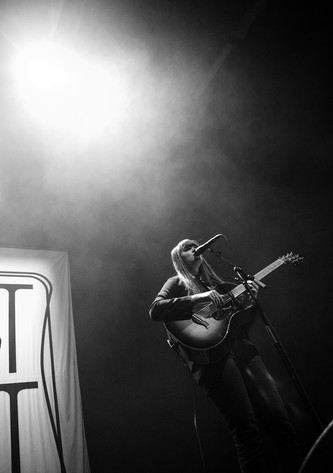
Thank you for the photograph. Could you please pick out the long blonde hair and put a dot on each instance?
(206, 272)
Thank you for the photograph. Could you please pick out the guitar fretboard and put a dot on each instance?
(238, 290)
(210, 308)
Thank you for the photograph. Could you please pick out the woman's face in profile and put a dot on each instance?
(189, 257)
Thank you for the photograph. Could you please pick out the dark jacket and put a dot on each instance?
(172, 302)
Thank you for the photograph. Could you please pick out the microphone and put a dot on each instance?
(200, 249)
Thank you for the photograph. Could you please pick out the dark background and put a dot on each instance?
(229, 132)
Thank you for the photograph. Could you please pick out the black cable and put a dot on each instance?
(176, 347)
(196, 426)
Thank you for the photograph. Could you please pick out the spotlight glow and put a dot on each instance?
(68, 92)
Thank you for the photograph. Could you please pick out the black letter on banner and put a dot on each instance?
(12, 288)
(13, 389)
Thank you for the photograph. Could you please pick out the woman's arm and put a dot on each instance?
(173, 302)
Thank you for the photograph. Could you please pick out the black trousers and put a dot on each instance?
(245, 393)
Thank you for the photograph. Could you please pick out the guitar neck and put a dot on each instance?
(238, 290)
(210, 308)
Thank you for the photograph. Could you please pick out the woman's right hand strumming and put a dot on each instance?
(208, 296)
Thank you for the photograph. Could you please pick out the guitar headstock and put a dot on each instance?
(291, 258)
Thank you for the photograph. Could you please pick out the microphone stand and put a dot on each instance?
(243, 278)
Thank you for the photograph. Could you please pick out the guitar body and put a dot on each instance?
(207, 336)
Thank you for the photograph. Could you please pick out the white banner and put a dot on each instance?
(42, 429)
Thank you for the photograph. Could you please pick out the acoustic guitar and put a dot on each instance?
(206, 336)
